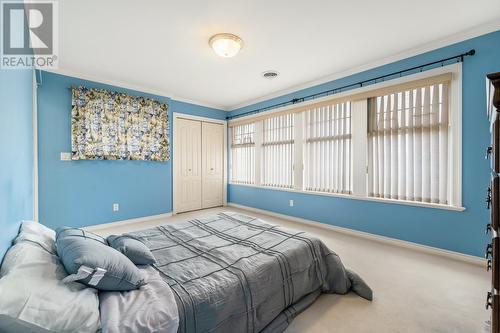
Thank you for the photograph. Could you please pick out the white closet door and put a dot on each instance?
(212, 164)
(188, 171)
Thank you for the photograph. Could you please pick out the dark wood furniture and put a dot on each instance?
(493, 200)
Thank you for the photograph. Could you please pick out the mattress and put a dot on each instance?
(236, 273)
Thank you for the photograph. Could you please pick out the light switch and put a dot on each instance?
(65, 156)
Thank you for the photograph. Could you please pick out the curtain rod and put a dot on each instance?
(359, 84)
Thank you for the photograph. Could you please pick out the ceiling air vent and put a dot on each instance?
(270, 74)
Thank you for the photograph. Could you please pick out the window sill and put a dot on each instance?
(358, 197)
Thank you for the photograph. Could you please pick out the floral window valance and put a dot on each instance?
(107, 125)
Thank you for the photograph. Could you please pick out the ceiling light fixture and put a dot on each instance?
(226, 45)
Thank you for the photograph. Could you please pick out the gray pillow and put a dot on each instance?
(89, 260)
(133, 248)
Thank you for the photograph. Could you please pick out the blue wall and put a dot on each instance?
(196, 110)
(16, 151)
(457, 231)
(81, 193)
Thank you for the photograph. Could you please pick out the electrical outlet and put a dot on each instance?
(116, 207)
(291, 203)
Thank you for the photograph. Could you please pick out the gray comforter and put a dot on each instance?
(235, 273)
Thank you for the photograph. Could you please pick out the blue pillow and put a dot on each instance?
(89, 260)
(133, 248)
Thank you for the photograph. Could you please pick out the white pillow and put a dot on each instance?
(38, 233)
(33, 297)
(150, 309)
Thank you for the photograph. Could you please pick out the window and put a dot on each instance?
(243, 154)
(398, 141)
(327, 166)
(408, 144)
(277, 151)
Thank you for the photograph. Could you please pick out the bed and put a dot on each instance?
(224, 273)
(235, 273)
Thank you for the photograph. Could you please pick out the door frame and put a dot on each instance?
(176, 116)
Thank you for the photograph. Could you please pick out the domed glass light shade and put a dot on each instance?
(226, 45)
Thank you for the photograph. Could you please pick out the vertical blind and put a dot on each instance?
(327, 163)
(243, 154)
(408, 144)
(277, 151)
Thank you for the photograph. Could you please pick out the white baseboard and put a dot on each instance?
(121, 223)
(382, 239)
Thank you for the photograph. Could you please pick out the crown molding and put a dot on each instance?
(200, 103)
(125, 85)
(461, 36)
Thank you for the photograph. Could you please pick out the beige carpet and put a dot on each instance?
(413, 291)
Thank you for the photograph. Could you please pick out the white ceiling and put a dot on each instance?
(162, 46)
